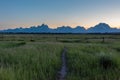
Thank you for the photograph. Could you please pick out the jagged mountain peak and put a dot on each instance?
(43, 25)
(79, 27)
(102, 26)
(64, 27)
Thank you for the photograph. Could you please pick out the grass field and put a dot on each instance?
(38, 56)
(93, 62)
(30, 61)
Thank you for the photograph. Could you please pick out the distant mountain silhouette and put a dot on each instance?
(64, 29)
(99, 28)
(102, 28)
(79, 29)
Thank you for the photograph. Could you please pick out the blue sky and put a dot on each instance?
(55, 13)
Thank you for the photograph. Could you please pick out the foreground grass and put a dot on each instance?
(38, 57)
(93, 62)
(32, 61)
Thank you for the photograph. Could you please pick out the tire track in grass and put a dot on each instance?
(63, 71)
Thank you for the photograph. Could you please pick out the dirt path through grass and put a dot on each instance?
(63, 70)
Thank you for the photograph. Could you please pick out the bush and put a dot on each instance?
(107, 62)
(32, 40)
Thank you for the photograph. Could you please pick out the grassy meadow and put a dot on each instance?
(29, 61)
(38, 56)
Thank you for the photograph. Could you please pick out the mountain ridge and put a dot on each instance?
(99, 28)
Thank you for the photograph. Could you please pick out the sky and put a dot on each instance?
(56, 13)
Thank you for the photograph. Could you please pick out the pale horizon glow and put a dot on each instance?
(57, 13)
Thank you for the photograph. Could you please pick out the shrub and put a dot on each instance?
(32, 40)
(107, 62)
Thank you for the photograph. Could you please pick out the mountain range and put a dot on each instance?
(99, 28)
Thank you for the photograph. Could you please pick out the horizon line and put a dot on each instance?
(62, 26)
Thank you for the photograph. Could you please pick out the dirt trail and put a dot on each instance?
(63, 70)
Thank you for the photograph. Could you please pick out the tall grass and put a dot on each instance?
(33, 61)
(38, 56)
(10, 44)
(92, 62)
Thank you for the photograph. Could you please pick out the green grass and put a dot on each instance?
(92, 62)
(33, 61)
(10, 44)
(38, 56)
